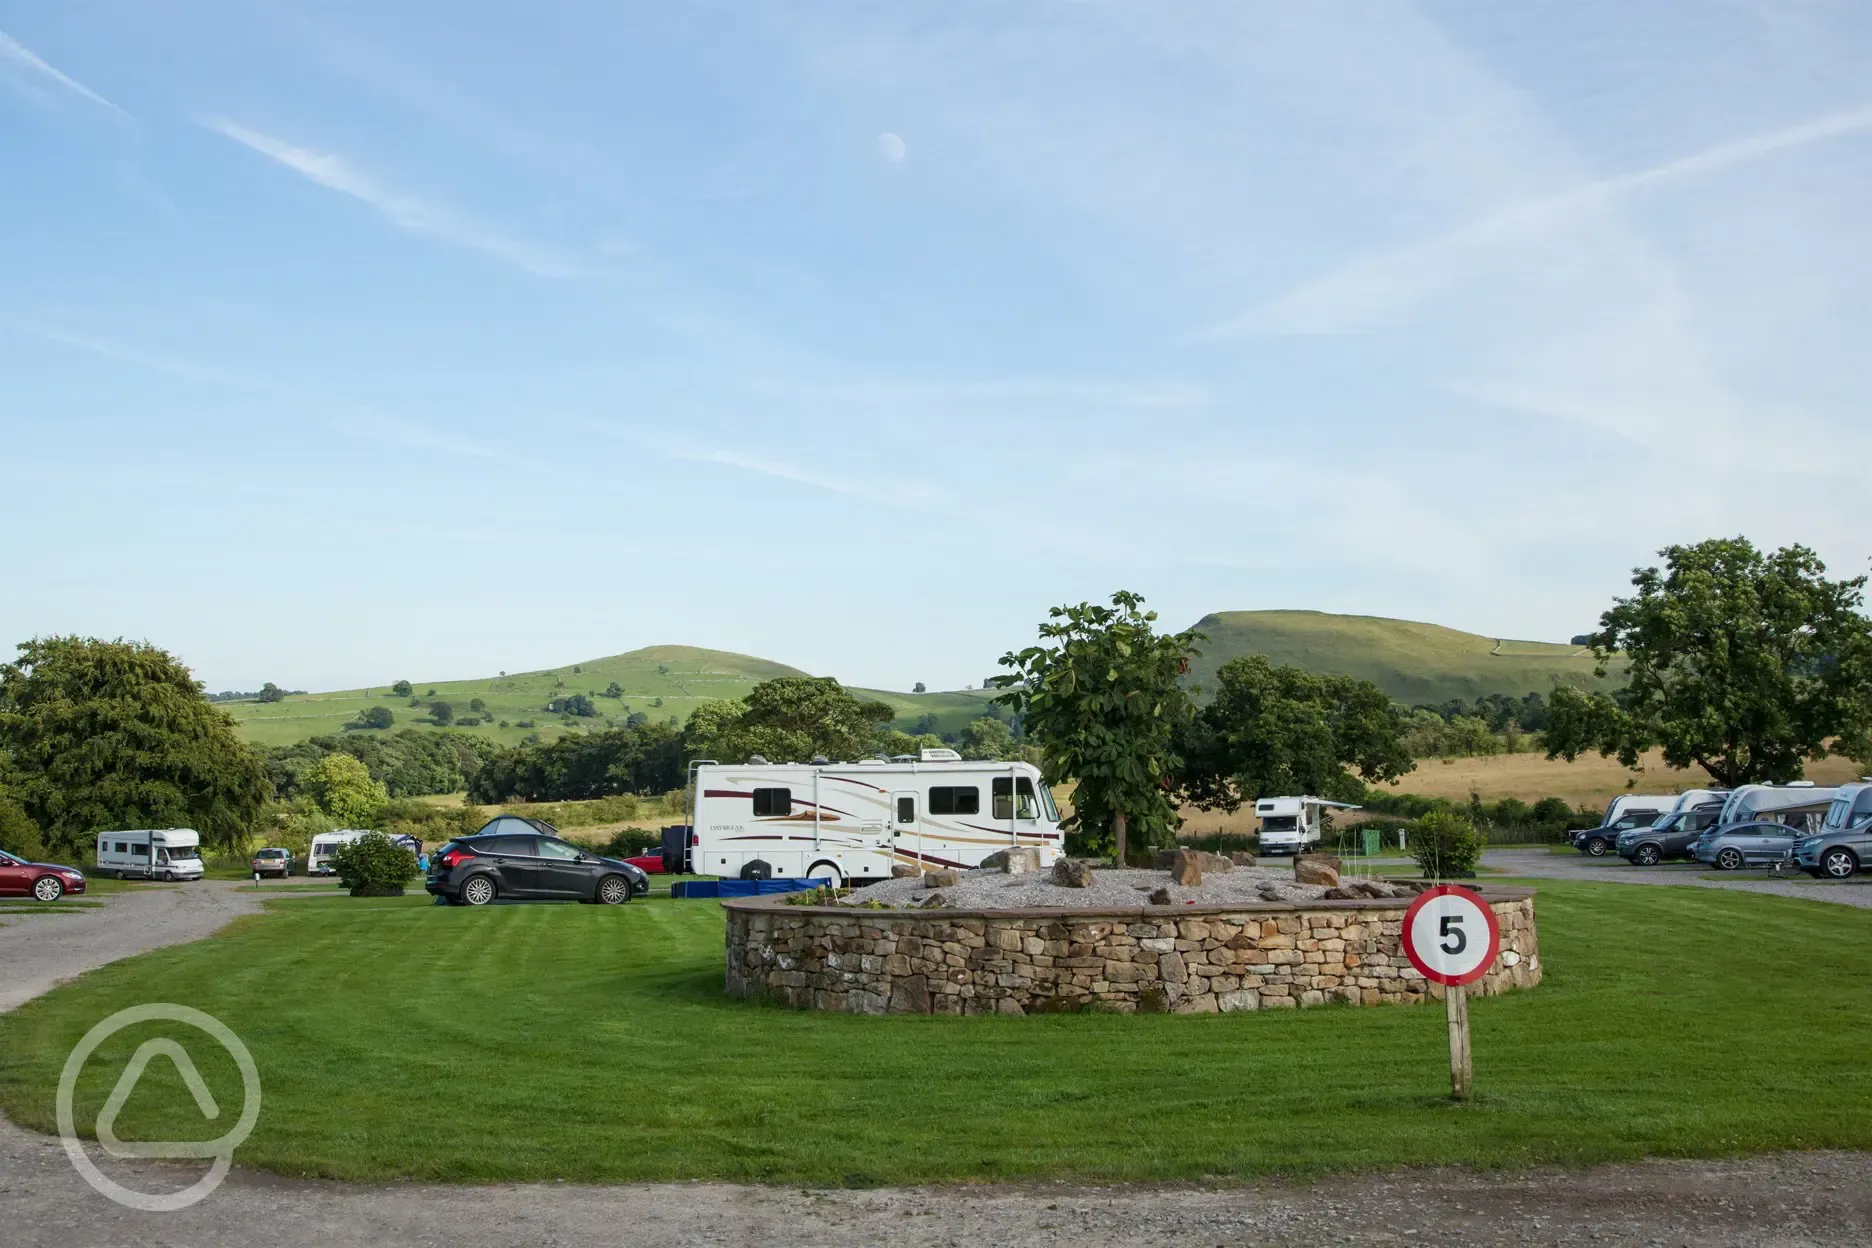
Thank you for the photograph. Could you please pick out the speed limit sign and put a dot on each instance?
(1451, 937)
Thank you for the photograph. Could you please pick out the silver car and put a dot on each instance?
(1835, 855)
(1742, 845)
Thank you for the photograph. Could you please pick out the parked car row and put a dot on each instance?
(1826, 832)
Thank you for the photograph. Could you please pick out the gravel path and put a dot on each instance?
(39, 951)
(1539, 864)
(1771, 1202)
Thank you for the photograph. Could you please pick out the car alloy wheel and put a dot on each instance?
(48, 888)
(1839, 863)
(1729, 860)
(478, 891)
(614, 890)
(1647, 856)
(1597, 847)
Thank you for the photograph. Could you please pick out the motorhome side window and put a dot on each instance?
(1006, 789)
(773, 801)
(955, 800)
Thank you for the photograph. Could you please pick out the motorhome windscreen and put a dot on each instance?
(183, 853)
(1279, 823)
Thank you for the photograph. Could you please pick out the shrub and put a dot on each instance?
(630, 842)
(402, 689)
(524, 723)
(18, 833)
(373, 717)
(374, 866)
(477, 705)
(468, 721)
(441, 712)
(1446, 845)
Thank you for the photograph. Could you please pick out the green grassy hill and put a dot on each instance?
(1412, 662)
(659, 681)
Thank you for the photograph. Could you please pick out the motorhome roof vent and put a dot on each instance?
(755, 760)
(903, 758)
(871, 762)
(1800, 784)
(941, 756)
(820, 760)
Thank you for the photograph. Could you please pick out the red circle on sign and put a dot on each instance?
(1488, 914)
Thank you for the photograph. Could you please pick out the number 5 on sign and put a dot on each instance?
(1451, 936)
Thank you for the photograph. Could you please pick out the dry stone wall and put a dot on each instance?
(1184, 960)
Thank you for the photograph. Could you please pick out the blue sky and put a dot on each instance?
(343, 342)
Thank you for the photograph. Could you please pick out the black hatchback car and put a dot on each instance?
(524, 859)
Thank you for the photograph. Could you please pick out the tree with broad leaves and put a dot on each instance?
(1744, 663)
(790, 719)
(117, 734)
(1102, 696)
(1282, 730)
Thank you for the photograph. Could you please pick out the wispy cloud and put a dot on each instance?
(1371, 289)
(406, 212)
(1103, 393)
(14, 52)
(855, 486)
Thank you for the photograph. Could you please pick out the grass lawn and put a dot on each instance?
(402, 1040)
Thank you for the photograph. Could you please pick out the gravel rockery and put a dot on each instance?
(997, 890)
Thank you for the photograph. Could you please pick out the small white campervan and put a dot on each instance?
(1799, 803)
(1292, 825)
(150, 854)
(855, 821)
(325, 844)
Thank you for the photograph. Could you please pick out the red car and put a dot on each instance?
(649, 864)
(42, 880)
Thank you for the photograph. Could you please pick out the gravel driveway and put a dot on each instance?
(1611, 869)
(39, 951)
(1789, 1200)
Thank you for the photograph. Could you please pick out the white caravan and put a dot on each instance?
(326, 844)
(1290, 825)
(1852, 806)
(1799, 803)
(150, 854)
(846, 821)
(1639, 810)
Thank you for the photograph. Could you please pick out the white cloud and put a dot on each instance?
(12, 50)
(406, 212)
(1379, 288)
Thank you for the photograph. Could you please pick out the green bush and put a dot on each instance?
(632, 841)
(374, 866)
(18, 833)
(1446, 845)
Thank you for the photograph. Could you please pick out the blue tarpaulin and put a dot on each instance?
(739, 888)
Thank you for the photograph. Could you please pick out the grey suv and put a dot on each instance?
(1673, 836)
(529, 865)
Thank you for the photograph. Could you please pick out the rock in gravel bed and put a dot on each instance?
(1102, 887)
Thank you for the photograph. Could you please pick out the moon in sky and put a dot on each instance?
(891, 147)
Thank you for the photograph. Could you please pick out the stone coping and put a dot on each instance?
(1490, 893)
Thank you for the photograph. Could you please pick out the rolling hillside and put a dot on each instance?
(659, 681)
(1412, 662)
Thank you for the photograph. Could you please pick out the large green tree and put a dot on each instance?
(343, 788)
(1283, 730)
(790, 719)
(117, 734)
(1745, 663)
(1103, 698)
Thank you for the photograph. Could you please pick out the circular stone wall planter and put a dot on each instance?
(1179, 959)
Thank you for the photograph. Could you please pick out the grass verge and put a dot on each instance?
(400, 1040)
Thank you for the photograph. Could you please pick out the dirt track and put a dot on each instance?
(1788, 1200)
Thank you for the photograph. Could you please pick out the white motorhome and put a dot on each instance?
(1291, 825)
(1799, 803)
(325, 844)
(848, 821)
(150, 854)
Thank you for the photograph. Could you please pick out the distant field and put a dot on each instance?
(1410, 661)
(1530, 777)
(659, 681)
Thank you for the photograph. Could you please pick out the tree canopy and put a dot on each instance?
(1747, 664)
(647, 758)
(790, 719)
(343, 788)
(1103, 699)
(1284, 730)
(117, 734)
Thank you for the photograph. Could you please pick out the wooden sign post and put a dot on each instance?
(1452, 938)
